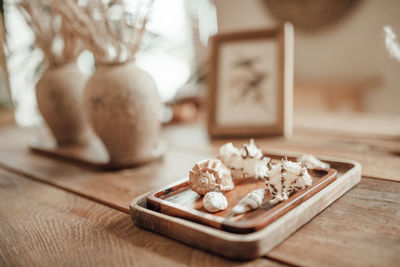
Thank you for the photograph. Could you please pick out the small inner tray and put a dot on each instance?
(180, 201)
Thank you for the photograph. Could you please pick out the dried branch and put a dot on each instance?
(43, 21)
(110, 39)
(392, 46)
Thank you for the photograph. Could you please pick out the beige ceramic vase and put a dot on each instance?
(59, 94)
(123, 108)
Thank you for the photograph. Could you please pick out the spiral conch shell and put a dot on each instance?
(215, 201)
(208, 175)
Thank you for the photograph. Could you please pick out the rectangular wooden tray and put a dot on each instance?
(248, 245)
(180, 201)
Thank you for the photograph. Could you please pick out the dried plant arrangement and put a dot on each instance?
(60, 87)
(111, 32)
(121, 100)
(58, 43)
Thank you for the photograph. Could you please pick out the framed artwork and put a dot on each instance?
(251, 83)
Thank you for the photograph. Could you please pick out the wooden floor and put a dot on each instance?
(55, 213)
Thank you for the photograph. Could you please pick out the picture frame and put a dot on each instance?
(251, 83)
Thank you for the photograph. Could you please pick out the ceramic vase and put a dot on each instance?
(59, 94)
(123, 108)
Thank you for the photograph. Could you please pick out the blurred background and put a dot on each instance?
(342, 64)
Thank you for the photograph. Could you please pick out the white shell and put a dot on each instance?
(246, 162)
(209, 175)
(250, 150)
(251, 201)
(286, 177)
(312, 162)
(215, 201)
(228, 151)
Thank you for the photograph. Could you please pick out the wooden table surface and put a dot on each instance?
(56, 213)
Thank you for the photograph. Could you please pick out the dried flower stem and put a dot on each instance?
(392, 46)
(110, 40)
(43, 21)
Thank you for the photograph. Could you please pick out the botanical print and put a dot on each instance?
(247, 83)
(249, 80)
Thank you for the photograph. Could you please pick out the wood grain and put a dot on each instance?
(116, 188)
(371, 125)
(380, 158)
(45, 226)
(360, 229)
(189, 143)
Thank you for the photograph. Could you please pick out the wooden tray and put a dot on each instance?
(92, 155)
(248, 245)
(180, 201)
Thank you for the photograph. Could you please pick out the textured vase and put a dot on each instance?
(59, 95)
(123, 108)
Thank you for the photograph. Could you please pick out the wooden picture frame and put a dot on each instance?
(256, 99)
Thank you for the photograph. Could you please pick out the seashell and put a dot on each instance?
(274, 183)
(214, 201)
(228, 151)
(285, 178)
(256, 168)
(295, 175)
(250, 150)
(312, 162)
(247, 162)
(302, 181)
(251, 201)
(208, 175)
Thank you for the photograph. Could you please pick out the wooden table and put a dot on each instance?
(54, 213)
